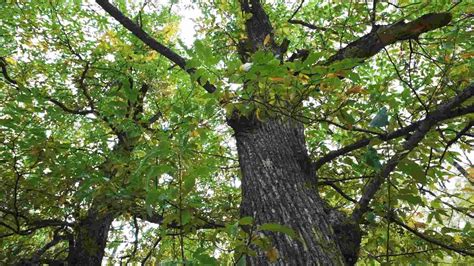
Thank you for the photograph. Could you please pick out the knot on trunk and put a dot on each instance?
(348, 235)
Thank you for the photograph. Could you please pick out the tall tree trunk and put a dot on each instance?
(278, 186)
(90, 239)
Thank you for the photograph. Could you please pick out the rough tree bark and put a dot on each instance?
(278, 186)
(90, 239)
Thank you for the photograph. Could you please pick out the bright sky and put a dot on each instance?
(186, 27)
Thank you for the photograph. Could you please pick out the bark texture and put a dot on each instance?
(278, 186)
(90, 239)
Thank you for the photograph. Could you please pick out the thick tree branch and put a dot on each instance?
(373, 14)
(34, 225)
(258, 26)
(260, 33)
(84, 88)
(155, 117)
(386, 137)
(378, 38)
(423, 128)
(150, 41)
(139, 104)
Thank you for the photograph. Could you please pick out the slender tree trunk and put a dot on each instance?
(278, 186)
(90, 239)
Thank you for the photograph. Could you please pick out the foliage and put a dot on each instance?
(77, 85)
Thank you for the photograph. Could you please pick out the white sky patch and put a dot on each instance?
(187, 26)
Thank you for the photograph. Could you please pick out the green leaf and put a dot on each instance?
(414, 170)
(371, 217)
(232, 229)
(312, 58)
(438, 218)
(242, 261)
(380, 119)
(189, 183)
(246, 220)
(185, 216)
(372, 159)
(273, 227)
(413, 199)
(467, 228)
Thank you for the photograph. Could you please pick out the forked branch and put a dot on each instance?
(382, 36)
(373, 42)
(422, 129)
(404, 131)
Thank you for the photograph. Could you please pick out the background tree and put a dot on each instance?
(352, 127)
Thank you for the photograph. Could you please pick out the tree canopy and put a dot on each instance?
(107, 115)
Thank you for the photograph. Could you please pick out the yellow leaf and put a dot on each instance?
(10, 61)
(355, 89)
(460, 70)
(303, 78)
(151, 56)
(467, 55)
(36, 151)
(258, 114)
(225, 97)
(457, 239)
(277, 79)
(331, 75)
(419, 225)
(169, 31)
(229, 109)
(194, 133)
(62, 199)
(467, 189)
(470, 172)
(325, 88)
(272, 255)
(266, 40)
(341, 73)
(291, 96)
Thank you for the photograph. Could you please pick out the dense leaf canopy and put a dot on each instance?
(93, 116)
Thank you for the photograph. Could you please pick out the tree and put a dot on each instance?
(348, 121)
